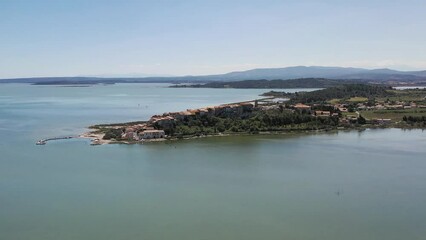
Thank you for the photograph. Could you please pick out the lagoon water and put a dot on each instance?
(346, 185)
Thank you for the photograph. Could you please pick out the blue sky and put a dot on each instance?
(90, 37)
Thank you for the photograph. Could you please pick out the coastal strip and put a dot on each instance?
(347, 107)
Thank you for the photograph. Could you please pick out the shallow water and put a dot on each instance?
(346, 185)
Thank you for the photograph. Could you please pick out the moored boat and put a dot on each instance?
(40, 142)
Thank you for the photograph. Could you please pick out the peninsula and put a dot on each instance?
(349, 106)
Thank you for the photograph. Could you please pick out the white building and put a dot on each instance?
(152, 134)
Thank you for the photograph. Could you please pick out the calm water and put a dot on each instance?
(350, 185)
(410, 87)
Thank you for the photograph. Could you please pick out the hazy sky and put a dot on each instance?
(89, 37)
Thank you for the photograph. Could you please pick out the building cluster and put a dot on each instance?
(166, 121)
(317, 113)
(338, 109)
(158, 125)
(389, 106)
(348, 117)
(142, 132)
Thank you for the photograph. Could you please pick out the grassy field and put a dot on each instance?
(351, 100)
(334, 101)
(395, 115)
(357, 99)
(412, 95)
(349, 114)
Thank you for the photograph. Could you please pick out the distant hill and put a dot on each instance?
(322, 72)
(292, 73)
(286, 73)
(292, 83)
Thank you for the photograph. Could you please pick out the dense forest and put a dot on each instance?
(260, 121)
(342, 92)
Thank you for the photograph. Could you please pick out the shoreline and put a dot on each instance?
(93, 135)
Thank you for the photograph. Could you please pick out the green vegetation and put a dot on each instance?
(345, 92)
(395, 115)
(112, 133)
(334, 101)
(279, 119)
(407, 95)
(357, 99)
(419, 121)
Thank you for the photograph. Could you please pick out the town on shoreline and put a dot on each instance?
(352, 106)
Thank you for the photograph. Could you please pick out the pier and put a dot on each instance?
(44, 141)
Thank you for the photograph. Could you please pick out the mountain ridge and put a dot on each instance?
(285, 73)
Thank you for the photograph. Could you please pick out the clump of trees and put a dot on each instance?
(113, 133)
(361, 120)
(418, 120)
(270, 120)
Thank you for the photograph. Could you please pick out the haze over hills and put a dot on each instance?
(128, 75)
(320, 72)
(376, 75)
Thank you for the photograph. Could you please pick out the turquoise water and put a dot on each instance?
(349, 185)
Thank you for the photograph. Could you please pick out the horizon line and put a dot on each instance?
(159, 75)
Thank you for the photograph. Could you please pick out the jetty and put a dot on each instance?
(44, 141)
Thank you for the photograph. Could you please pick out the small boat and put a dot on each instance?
(95, 141)
(40, 142)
